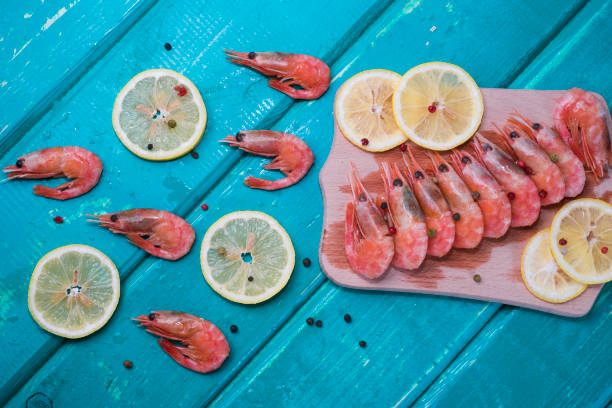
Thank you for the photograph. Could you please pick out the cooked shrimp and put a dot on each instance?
(81, 165)
(369, 246)
(438, 217)
(293, 156)
(489, 195)
(407, 220)
(519, 188)
(160, 233)
(469, 224)
(538, 165)
(206, 348)
(580, 119)
(559, 152)
(309, 73)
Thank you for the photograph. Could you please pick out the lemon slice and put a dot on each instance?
(542, 275)
(247, 257)
(74, 290)
(159, 115)
(364, 112)
(438, 105)
(581, 239)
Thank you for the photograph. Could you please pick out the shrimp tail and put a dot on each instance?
(269, 185)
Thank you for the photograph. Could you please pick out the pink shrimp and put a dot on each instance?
(81, 165)
(206, 349)
(538, 165)
(519, 188)
(469, 224)
(570, 165)
(580, 119)
(160, 233)
(307, 72)
(293, 156)
(407, 220)
(368, 245)
(438, 217)
(489, 195)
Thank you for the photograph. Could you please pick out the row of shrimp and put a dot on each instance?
(467, 196)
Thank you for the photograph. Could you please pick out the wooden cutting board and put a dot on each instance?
(496, 261)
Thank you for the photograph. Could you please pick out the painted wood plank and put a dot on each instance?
(498, 261)
(236, 98)
(525, 358)
(45, 46)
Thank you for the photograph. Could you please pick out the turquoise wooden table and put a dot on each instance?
(63, 63)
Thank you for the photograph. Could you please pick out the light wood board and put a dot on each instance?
(496, 261)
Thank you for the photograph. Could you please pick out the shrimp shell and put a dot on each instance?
(438, 217)
(368, 245)
(469, 226)
(545, 174)
(570, 165)
(489, 195)
(405, 215)
(525, 201)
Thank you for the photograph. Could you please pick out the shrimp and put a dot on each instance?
(408, 222)
(580, 119)
(368, 245)
(545, 174)
(160, 233)
(307, 72)
(519, 188)
(81, 165)
(469, 224)
(438, 217)
(559, 152)
(489, 195)
(293, 156)
(206, 349)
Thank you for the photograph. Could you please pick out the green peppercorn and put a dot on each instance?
(554, 158)
(172, 123)
(477, 278)
(431, 233)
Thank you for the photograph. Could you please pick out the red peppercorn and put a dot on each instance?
(365, 141)
(180, 90)
(58, 220)
(562, 241)
(403, 147)
(392, 230)
(432, 108)
(128, 364)
(528, 170)
(511, 196)
(604, 250)
(520, 163)
(542, 193)
(204, 207)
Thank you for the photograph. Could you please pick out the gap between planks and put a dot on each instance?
(74, 74)
(200, 191)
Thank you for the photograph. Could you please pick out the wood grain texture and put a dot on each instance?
(45, 46)
(497, 261)
(236, 98)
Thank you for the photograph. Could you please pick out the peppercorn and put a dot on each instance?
(364, 142)
(310, 321)
(511, 196)
(58, 220)
(319, 323)
(431, 108)
(362, 344)
(403, 147)
(604, 250)
(392, 230)
(554, 158)
(477, 278)
(383, 205)
(114, 217)
(306, 262)
(562, 241)
(204, 207)
(542, 193)
(167, 46)
(172, 123)
(233, 328)
(476, 195)
(251, 55)
(195, 155)
(150, 146)
(431, 233)
(347, 318)
(456, 216)
(250, 278)
(128, 364)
